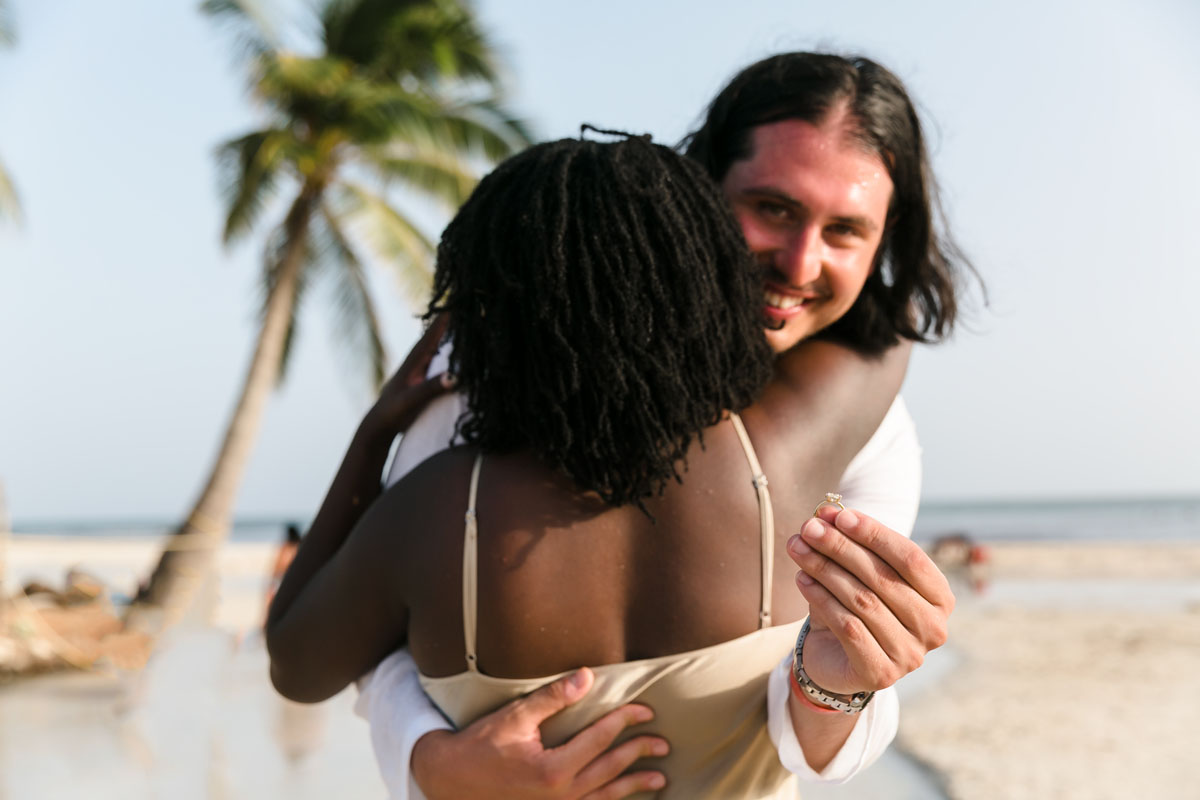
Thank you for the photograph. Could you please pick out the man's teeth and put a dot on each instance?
(782, 301)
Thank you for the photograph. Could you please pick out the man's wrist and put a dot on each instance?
(848, 704)
(804, 700)
(422, 762)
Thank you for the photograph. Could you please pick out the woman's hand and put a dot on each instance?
(501, 755)
(408, 391)
(877, 602)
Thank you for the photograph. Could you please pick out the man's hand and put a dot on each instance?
(501, 755)
(877, 602)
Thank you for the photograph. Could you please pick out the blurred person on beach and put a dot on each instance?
(283, 560)
(845, 225)
(775, 138)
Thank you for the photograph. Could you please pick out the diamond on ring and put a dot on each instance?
(832, 499)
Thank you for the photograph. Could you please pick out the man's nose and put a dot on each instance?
(800, 262)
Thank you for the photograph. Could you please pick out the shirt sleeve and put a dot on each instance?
(873, 732)
(399, 713)
(884, 481)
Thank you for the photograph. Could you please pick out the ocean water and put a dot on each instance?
(252, 529)
(1149, 519)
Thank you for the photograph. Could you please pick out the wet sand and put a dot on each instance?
(200, 722)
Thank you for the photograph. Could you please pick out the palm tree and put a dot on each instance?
(10, 205)
(404, 92)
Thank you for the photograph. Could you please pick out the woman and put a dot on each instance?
(603, 312)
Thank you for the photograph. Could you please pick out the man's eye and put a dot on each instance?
(843, 231)
(773, 210)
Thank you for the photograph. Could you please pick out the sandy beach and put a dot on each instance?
(1077, 676)
(1072, 674)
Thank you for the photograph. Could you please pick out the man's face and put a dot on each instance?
(812, 205)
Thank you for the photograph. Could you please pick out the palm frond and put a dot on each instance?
(483, 126)
(356, 322)
(425, 39)
(251, 22)
(460, 50)
(284, 73)
(249, 169)
(377, 112)
(395, 242)
(10, 203)
(439, 172)
(8, 30)
(277, 245)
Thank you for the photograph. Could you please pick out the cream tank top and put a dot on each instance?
(710, 704)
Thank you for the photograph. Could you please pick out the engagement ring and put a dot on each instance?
(831, 499)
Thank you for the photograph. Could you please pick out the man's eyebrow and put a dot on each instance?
(865, 223)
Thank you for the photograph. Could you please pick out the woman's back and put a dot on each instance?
(670, 608)
(565, 580)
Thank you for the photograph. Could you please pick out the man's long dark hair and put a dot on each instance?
(603, 310)
(911, 292)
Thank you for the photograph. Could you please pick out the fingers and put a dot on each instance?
(605, 771)
(900, 553)
(533, 709)
(422, 353)
(881, 602)
(646, 781)
(840, 654)
(883, 560)
(879, 594)
(589, 743)
(413, 400)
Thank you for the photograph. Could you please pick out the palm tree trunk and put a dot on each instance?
(187, 559)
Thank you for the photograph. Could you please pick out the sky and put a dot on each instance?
(1063, 135)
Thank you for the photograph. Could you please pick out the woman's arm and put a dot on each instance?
(343, 615)
(401, 716)
(357, 482)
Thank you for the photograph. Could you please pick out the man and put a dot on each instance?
(823, 163)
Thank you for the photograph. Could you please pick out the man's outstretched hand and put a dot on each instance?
(501, 755)
(877, 602)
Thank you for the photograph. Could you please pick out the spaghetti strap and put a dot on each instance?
(766, 521)
(471, 570)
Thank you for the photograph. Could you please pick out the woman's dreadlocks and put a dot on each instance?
(604, 310)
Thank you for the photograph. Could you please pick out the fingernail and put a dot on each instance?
(847, 520)
(813, 529)
(656, 782)
(804, 577)
(660, 749)
(798, 546)
(576, 680)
